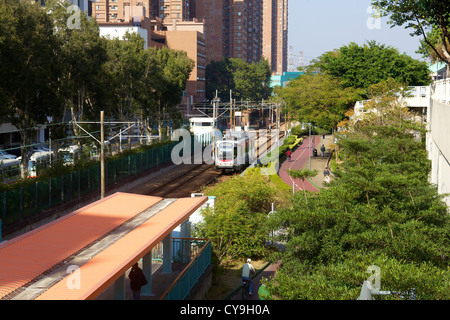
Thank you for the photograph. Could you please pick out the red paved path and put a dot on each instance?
(299, 160)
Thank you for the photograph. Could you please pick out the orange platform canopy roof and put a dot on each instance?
(30, 255)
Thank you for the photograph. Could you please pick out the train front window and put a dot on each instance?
(226, 151)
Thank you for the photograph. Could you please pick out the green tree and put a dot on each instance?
(303, 175)
(319, 99)
(123, 69)
(173, 69)
(421, 16)
(29, 68)
(246, 80)
(379, 210)
(83, 52)
(237, 225)
(361, 66)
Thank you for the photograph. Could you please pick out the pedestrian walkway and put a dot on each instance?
(267, 273)
(300, 160)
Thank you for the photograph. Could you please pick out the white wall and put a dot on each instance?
(438, 143)
(119, 32)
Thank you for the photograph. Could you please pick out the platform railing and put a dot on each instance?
(189, 277)
(441, 90)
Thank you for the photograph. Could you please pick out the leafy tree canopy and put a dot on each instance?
(246, 80)
(422, 16)
(361, 66)
(237, 226)
(380, 210)
(319, 99)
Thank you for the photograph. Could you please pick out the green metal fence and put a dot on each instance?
(25, 201)
(183, 285)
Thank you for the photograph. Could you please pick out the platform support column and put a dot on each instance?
(167, 254)
(147, 269)
(119, 288)
(185, 245)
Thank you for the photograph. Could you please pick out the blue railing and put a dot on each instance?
(189, 277)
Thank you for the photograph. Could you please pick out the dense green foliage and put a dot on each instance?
(50, 67)
(334, 82)
(362, 66)
(380, 210)
(427, 18)
(319, 99)
(237, 226)
(246, 80)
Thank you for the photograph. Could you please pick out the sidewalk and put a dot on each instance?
(300, 160)
(268, 272)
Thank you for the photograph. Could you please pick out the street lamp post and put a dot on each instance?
(303, 128)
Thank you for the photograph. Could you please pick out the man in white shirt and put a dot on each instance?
(248, 269)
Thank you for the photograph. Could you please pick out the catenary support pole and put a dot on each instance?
(102, 156)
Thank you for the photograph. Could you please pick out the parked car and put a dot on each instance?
(41, 147)
(5, 155)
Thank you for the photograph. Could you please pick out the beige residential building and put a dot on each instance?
(212, 13)
(275, 34)
(189, 36)
(120, 10)
(160, 23)
(246, 29)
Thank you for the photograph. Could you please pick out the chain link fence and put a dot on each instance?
(28, 200)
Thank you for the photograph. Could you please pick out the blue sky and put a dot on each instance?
(318, 26)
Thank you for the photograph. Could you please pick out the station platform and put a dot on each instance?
(100, 241)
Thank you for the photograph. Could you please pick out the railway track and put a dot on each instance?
(185, 179)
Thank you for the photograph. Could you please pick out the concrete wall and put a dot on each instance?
(119, 31)
(439, 146)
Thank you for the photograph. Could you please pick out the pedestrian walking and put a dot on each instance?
(288, 154)
(137, 281)
(322, 150)
(326, 175)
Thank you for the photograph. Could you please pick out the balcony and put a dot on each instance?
(440, 90)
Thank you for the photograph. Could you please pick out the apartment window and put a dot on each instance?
(113, 7)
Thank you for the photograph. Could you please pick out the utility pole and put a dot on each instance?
(231, 110)
(102, 156)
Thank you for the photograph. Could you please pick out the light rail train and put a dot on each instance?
(235, 151)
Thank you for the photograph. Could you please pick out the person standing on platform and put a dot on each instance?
(322, 150)
(137, 281)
